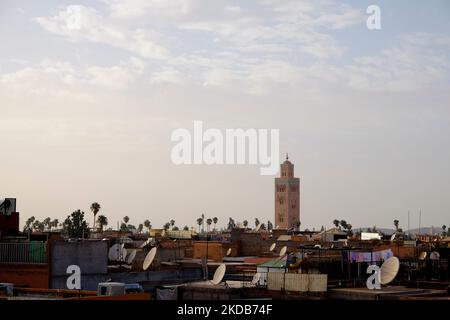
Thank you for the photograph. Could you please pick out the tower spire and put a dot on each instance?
(287, 156)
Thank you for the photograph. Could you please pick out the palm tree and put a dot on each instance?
(55, 223)
(186, 228)
(102, 221)
(175, 228)
(208, 223)
(126, 219)
(443, 230)
(215, 222)
(245, 223)
(396, 222)
(336, 223)
(166, 226)
(95, 208)
(46, 223)
(343, 224)
(148, 225)
(140, 227)
(199, 222)
(172, 223)
(203, 222)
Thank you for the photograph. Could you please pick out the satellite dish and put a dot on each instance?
(393, 237)
(258, 227)
(318, 246)
(256, 278)
(435, 255)
(145, 243)
(389, 270)
(113, 253)
(283, 251)
(272, 246)
(131, 256)
(423, 255)
(228, 252)
(149, 258)
(219, 274)
(123, 254)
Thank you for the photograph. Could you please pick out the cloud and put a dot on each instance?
(80, 23)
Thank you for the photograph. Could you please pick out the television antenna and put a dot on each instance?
(283, 251)
(423, 255)
(113, 253)
(131, 256)
(435, 255)
(272, 246)
(256, 278)
(219, 274)
(149, 258)
(389, 270)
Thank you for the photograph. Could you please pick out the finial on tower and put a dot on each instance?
(287, 156)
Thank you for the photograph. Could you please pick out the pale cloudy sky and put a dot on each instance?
(86, 111)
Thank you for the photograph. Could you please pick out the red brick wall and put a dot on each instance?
(26, 275)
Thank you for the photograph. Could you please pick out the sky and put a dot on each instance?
(87, 109)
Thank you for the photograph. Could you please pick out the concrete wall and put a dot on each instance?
(90, 256)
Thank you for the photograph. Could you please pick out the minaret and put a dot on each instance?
(287, 197)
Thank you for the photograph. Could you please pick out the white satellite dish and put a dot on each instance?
(123, 254)
(219, 274)
(145, 243)
(283, 251)
(131, 256)
(272, 246)
(423, 255)
(256, 278)
(228, 252)
(435, 255)
(318, 246)
(389, 270)
(113, 253)
(258, 227)
(149, 258)
(393, 237)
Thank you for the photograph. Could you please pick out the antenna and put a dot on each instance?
(256, 278)
(228, 252)
(219, 274)
(283, 251)
(123, 254)
(145, 243)
(131, 256)
(389, 270)
(113, 253)
(435, 255)
(420, 219)
(423, 255)
(409, 230)
(272, 246)
(149, 258)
